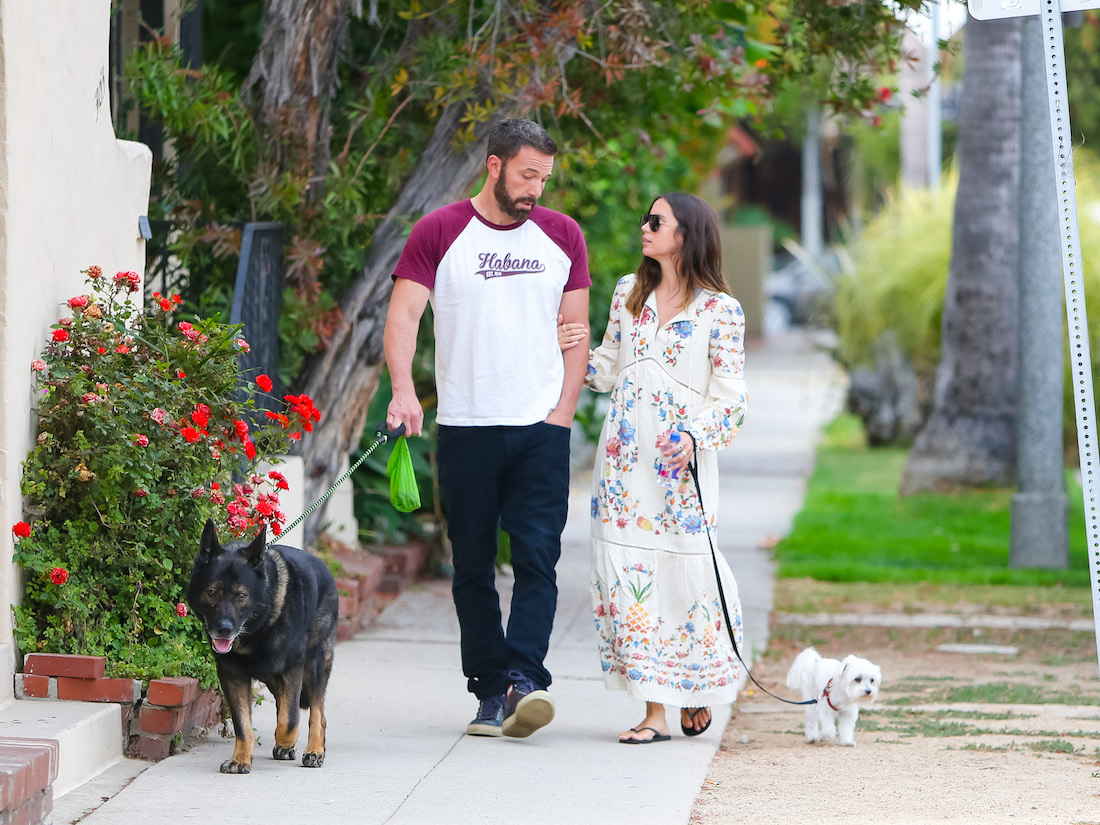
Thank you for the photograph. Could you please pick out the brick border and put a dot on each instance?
(28, 768)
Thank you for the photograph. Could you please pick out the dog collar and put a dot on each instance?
(825, 694)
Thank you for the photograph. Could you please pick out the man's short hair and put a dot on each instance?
(509, 136)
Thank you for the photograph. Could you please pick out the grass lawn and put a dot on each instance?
(855, 528)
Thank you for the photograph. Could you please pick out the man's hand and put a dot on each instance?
(405, 409)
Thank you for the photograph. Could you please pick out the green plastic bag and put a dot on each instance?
(404, 493)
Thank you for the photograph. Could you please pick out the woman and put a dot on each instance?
(673, 359)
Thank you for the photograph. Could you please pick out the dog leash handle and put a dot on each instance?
(383, 433)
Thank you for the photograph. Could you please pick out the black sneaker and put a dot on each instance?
(528, 708)
(490, 716)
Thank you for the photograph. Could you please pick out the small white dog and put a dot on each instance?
(839, 687)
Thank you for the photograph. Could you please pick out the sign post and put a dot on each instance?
(1084, 405)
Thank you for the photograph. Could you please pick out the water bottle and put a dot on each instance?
(669, 476)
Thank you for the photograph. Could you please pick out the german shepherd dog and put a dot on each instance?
(270, 613)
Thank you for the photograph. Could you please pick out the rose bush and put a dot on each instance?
(146, 428)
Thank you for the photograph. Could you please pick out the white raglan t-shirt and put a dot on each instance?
(495, 295)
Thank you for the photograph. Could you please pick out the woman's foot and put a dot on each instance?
(643, 734)
(694, 721)
(649, 729)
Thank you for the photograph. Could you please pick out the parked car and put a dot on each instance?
(799, 290)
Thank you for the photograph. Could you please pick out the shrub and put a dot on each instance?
(143, 433)
(901, 262)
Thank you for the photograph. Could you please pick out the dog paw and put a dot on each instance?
(286, 754)
(229, 766)
(313, 760)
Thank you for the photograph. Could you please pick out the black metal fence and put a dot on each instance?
(257, 293)
(257, 302)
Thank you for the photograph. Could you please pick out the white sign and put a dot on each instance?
(999, 9)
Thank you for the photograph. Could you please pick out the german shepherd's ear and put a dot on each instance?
(208, 545)
(255, 551)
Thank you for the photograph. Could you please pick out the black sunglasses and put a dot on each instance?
(655, 222)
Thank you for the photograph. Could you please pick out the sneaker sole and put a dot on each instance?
(477, 729)
(535, 710)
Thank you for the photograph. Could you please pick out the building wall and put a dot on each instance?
(70, 196)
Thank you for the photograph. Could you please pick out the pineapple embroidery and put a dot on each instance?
(636, 621)
(709, 636)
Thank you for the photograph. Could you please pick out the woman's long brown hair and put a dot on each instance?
(699, 261)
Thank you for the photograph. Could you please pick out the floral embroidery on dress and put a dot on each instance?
(649, 539)
(634, 644)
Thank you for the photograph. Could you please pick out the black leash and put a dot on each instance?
(721, 592)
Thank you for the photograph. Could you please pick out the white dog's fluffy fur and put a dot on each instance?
(839, 687)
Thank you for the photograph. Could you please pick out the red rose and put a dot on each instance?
(181, 610)
(140, 493)
(60, 335)
(59, 575)
(264, 383)
(78, 302)
(131, 280)
(191, 434)
(884, 94)
(21, 529)
(141, 440)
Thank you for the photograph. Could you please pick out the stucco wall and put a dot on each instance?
(70, 196)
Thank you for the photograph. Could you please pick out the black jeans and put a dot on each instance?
(516, 478)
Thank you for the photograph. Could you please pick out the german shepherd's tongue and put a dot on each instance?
(222, 645)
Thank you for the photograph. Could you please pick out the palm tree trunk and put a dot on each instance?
(970, 437)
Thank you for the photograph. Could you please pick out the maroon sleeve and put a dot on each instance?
(566, 233)
(429, 241)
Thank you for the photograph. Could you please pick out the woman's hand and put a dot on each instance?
(677, 453)
(569, 335)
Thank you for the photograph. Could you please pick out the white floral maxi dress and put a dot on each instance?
(659, 623)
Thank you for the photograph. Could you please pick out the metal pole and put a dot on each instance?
(1054, 59)
(934, 105)
(811, 186)
(1039, 534)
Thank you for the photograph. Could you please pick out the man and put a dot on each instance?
(499, 271)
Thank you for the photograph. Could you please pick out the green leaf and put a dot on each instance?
(735, 12)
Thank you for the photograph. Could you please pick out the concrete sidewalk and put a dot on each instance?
(397, 706)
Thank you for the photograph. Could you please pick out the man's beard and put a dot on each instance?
(509, 205)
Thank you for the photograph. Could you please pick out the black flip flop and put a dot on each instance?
(657, 737)
(692, 713)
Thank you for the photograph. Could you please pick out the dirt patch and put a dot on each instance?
(957, 738)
